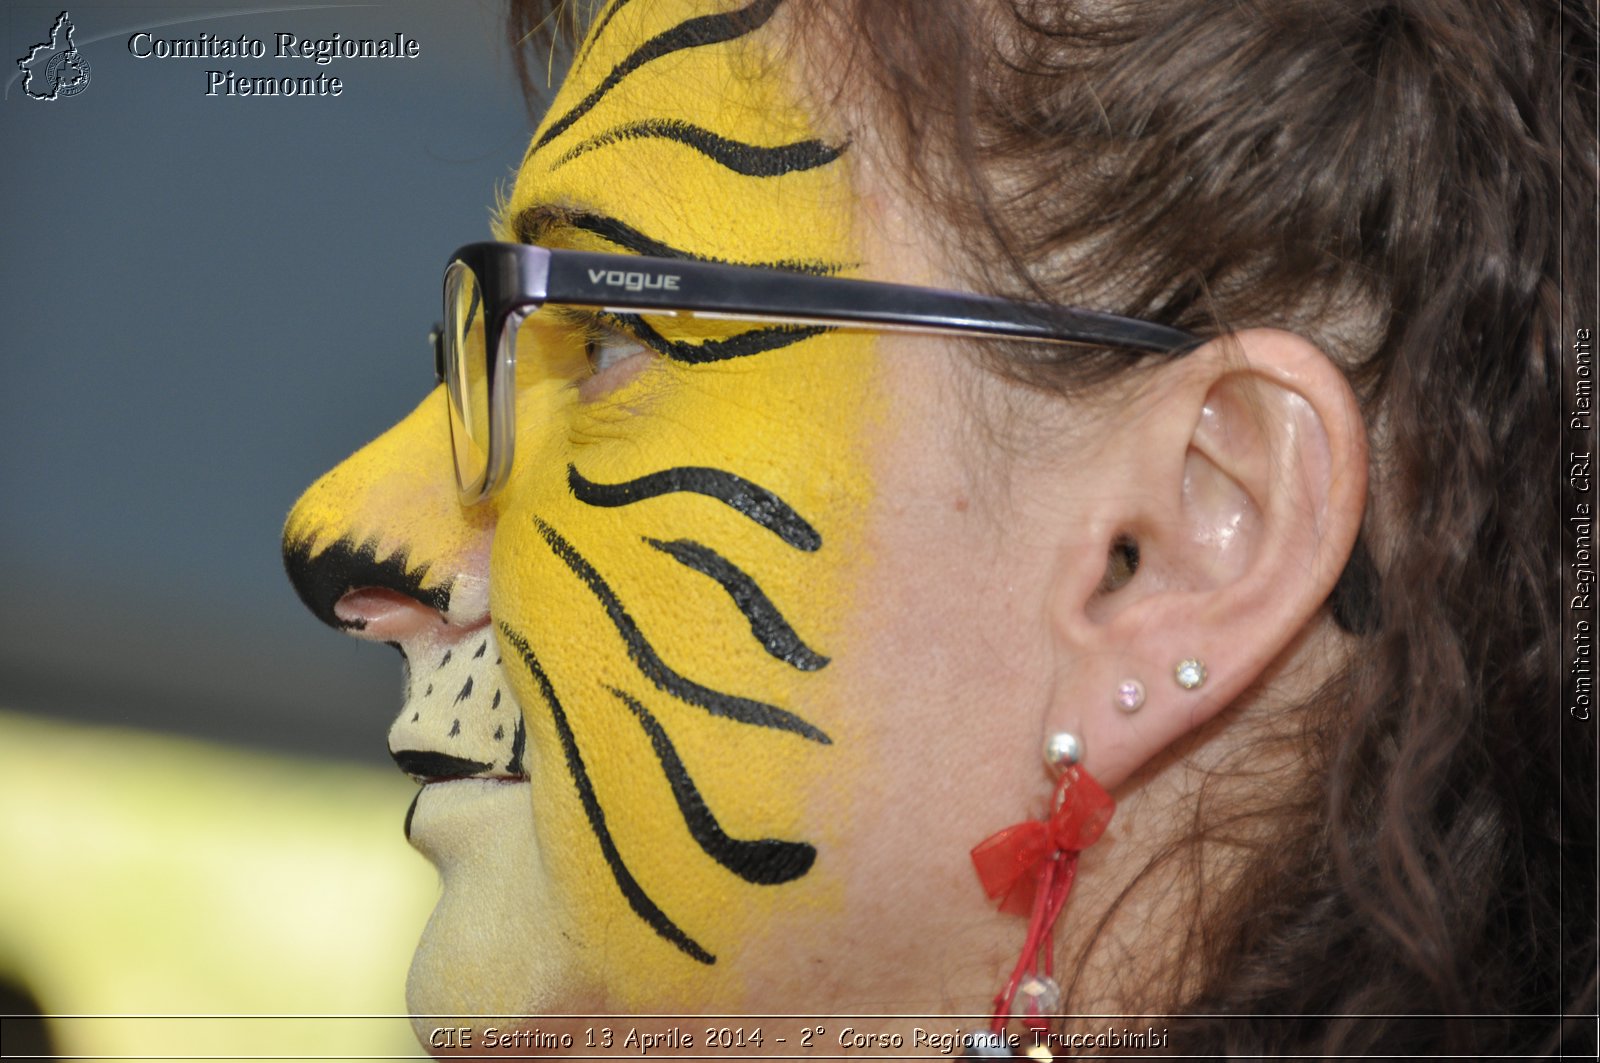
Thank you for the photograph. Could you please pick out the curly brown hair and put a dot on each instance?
(1411, 184)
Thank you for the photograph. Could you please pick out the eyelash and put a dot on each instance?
(594, 329)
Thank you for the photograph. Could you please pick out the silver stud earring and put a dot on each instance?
(1062, 750)
(984, 1044)
(1190, 673)
(1129, 695)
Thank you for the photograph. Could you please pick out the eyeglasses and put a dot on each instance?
(491, 288)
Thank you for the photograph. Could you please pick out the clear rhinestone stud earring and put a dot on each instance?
(1190, 673)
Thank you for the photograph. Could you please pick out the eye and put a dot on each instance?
(606, 347)
(614, 355)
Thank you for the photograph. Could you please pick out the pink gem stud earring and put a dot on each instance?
(1129, 695)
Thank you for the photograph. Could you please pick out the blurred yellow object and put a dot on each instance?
(148, 875)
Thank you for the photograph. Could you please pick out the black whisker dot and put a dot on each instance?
(465, 690)
(455, 728)
(495, 704)
(415, 716)
(481, 648)
(519, 745)
(429, 691)
(499, 733)
(446, 658)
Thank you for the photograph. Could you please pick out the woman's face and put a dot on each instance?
(709, 698)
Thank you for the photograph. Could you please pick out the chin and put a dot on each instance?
(493, 946)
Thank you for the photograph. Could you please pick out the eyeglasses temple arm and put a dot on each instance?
(639, 284)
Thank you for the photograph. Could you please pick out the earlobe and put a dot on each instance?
(1249, 477)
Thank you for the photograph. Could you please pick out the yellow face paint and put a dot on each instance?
(672, 557)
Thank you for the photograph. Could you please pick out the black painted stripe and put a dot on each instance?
(532, 224)
(767, 624)
(637, 899)
(728, 706)
(753, 501)
(599, 29)
(742, 345)
(345, 565)
(420, 764)
(411, 813)
(519, 746)
(749, 160)
(766, 862)
(690, 33)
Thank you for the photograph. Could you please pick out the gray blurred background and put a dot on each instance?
(206, 303)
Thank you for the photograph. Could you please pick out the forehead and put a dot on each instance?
(680, 130)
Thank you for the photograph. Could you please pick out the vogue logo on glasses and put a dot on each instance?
(635, 282)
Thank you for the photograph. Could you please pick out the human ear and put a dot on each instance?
(1237, 479)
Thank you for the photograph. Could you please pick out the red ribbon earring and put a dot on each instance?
(1029, 869)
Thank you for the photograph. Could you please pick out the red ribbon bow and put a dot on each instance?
(1011, 862)
(1030, 868)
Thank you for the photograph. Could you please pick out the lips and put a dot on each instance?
(433, 769)
(447, 813)
(430, 767)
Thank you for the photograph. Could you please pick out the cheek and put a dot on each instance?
(668, 582)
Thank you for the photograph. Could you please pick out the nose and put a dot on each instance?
(389, 599)
(384, 614)
(349, 588)
(386, 530)
(455, 720)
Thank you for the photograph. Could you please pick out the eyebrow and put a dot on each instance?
(534, 225)
(541, 225)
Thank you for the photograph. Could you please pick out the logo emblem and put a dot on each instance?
(634, 282)
(55, 68)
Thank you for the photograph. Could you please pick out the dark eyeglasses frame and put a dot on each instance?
(515, 280)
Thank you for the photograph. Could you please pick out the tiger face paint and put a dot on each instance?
(673, 555)
(632, 744)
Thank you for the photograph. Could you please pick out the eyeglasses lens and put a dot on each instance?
(466, 376)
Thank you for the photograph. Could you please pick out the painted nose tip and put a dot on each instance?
(385, 615)
(324, 579)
